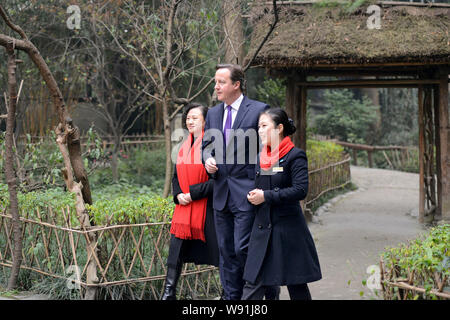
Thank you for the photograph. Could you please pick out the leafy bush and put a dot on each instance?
(272, 91)
(124, 203)
(426, 256)
(321, 153)
(130, 204)
(41, 161)
(144, 166)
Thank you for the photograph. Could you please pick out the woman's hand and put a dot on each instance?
(187, 197)
(184, 198)
(256, 196)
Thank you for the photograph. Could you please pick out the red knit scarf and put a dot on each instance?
(188, 221)
(268, 157)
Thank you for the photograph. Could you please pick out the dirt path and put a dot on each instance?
(357, 227)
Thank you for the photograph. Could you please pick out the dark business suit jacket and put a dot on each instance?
(235, 177)
(281, 247)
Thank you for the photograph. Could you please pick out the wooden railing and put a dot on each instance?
(370, 149)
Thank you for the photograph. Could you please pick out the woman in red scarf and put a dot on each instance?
(281, 250)
(193, 236)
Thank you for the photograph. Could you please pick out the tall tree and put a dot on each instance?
(233, 28)
(174, 42)
(177, 43)
(9, 167)
(68, 140)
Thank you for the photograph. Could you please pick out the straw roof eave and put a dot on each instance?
(309, 36)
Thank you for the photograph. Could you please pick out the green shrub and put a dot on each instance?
(321, 153)
(425, 256)
(125, 203)
(132, 209)
(346, 117)
(144, 166)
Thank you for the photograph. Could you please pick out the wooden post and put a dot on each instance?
(292, 96)
(438, 214)
(302, 121)
(355, 156)
(444, 141)
(421, 156)
(369, 157)
(296, 108)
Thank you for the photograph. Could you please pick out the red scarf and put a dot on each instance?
(268, 158)
(188, 221)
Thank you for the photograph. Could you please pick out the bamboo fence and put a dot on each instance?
(327, 178)
(130, 258)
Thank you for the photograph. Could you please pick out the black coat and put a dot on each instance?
(196, 251)
(281, 248)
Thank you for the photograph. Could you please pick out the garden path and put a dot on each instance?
(357, 227)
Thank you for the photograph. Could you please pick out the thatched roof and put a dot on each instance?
(307, 35)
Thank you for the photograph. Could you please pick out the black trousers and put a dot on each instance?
(233, 235)
(257, 290)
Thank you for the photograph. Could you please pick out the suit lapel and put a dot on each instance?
(243, 109)
(220, 119)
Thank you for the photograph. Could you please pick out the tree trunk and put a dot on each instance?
(374, 96)
(115, 162)
(73, 143)
(234, 34)
(63, 130)
(82, 214)
(168, 145)
(9, 169)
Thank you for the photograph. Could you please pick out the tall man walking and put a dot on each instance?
(232, 165)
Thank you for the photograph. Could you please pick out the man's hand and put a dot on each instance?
(256, 196)
(184, 198)
(210, 165)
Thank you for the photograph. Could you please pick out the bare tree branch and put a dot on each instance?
(12, 25)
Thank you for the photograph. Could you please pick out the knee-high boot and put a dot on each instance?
(170, 286)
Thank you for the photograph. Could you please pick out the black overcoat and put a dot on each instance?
(196, 251)
(281, 248)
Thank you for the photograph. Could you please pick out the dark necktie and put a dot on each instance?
(227, 128)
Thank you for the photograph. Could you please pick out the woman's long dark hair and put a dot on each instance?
(278, 116)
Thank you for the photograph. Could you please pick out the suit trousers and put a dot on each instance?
(233, 228)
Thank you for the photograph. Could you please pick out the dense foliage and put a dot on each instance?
(346, 118)
(321, 153)
(426, 256)
(115, 204)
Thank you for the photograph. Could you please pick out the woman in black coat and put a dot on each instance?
(188, 243)
(281, 249)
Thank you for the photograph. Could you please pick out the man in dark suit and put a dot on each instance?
(230, 147)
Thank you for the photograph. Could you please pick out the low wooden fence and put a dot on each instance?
(330, 177)
(400, 153)
(127, 141)
(131, 259)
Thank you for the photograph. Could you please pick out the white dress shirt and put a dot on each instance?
(234, 110)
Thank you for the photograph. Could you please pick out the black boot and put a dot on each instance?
(170, 287)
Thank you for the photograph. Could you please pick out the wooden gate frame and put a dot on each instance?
(431, 80)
